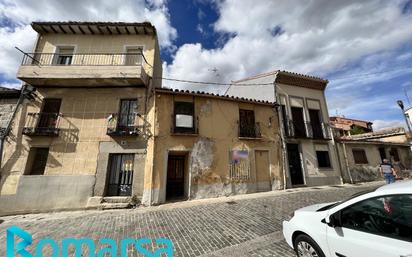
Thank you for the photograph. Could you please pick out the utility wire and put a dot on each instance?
(213, 83)
(266, 84)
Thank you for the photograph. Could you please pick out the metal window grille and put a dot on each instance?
(239, 164)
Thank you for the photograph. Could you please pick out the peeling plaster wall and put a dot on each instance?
(208, 152)
(370, 171)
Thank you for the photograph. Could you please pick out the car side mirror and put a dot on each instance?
(334, 220)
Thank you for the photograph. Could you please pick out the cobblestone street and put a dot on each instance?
(248, 225)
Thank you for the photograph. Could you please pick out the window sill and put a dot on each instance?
(185, 134)
(250, 138)
(325, 168)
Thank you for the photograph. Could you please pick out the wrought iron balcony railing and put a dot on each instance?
(83, 59)
(249, 130)
(307, 130)
(42, 124)
(124, 125)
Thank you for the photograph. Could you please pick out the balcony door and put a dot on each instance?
(317, 130)
(127, 115)
(49, 115)
(64, 55)
(298, 122)
(247, 123)
(133, 55)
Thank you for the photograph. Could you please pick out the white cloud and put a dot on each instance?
(318, 37)
(385, 124)
(16, 85)
(23, 12)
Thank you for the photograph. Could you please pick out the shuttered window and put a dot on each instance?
(359, 156)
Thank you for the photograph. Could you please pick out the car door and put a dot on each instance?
(379, 226)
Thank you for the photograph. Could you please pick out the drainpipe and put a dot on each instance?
(335, 145)
(154, 144)
(347, 162)
(282, 141)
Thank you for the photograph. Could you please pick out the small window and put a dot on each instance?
(388, 216)
(323, 159)
(359, 156)
(64, 55)
(133, 56)
(37, 161)
(184, 117)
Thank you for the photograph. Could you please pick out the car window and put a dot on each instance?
(389, 216)
(344, 201)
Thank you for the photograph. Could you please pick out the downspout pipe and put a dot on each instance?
(345, 155)
(283, 144)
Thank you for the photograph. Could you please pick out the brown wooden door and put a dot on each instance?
(175, 187)
(262, 171)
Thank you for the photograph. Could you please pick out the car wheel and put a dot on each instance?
(305, 246)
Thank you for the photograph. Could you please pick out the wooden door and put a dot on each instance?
(295, 166)
(175, 187)
(262, 171)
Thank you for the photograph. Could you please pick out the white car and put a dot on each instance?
(376, 223)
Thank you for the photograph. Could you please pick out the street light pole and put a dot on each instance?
(405, 115)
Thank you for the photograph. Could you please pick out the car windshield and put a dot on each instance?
(330, 206)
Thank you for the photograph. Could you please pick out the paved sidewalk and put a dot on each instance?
(247, 225)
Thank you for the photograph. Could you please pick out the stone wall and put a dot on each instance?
(6, 111)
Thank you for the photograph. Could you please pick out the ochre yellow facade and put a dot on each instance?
(207, 152)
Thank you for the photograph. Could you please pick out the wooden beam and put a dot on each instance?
(71, 29)
(100, 30)
(135, 30)
(90, 29)
(62, 29)
(81, 30)
(54, 30)
(127, 30)
(44, 29)
(118, 31)
(108, 29)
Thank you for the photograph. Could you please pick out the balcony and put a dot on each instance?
(307, 130)
(246, 130)
(83, 69)
(124, 125)
(42, 124)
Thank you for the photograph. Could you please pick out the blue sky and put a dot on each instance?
(364, 48)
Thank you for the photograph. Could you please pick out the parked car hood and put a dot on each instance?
(314, 208)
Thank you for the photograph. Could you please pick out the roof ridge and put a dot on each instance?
(187, 91)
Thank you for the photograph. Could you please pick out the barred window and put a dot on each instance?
(239, 164)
